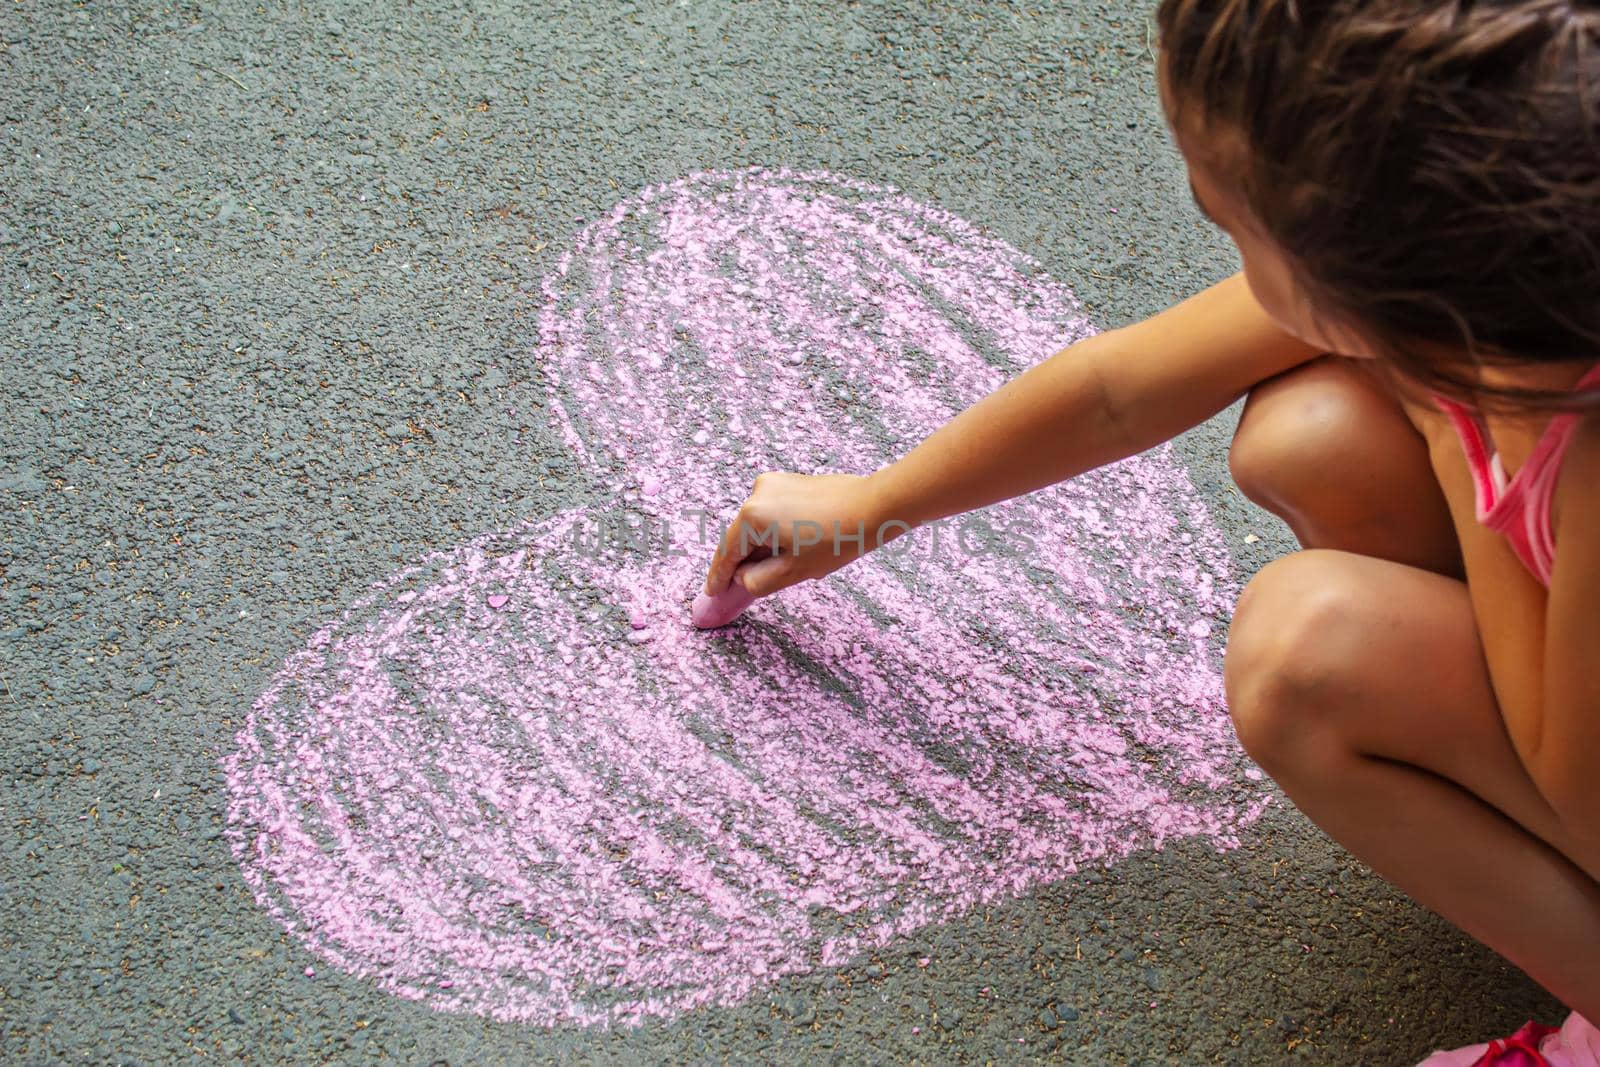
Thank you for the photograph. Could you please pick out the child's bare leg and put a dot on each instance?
(1357, 679)
(1359, 685)
(1326, 449)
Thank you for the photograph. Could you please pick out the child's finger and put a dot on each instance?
(709, 612)
(767, 575)
(734, 548)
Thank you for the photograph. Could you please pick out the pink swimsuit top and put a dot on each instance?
(1520, 509)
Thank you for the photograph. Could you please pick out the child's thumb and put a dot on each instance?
(764, 576)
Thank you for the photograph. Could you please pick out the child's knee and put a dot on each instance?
(1306, 438)
(1291, 657)
(1289, 425)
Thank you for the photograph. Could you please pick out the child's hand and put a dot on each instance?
(799, 526)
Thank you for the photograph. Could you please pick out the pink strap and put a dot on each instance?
(1521, 510)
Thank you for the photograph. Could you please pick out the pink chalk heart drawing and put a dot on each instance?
(514, 779)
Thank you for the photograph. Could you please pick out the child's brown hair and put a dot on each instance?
(1431, 168)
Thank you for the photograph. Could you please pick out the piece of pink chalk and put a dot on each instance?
(709, 612)
(498, 601)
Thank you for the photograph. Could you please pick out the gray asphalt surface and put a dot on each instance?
(249, 251)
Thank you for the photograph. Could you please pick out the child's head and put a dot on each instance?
(1417, 180)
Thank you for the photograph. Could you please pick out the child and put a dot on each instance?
(1414, 190)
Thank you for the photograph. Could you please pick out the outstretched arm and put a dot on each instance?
(1103, 399)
